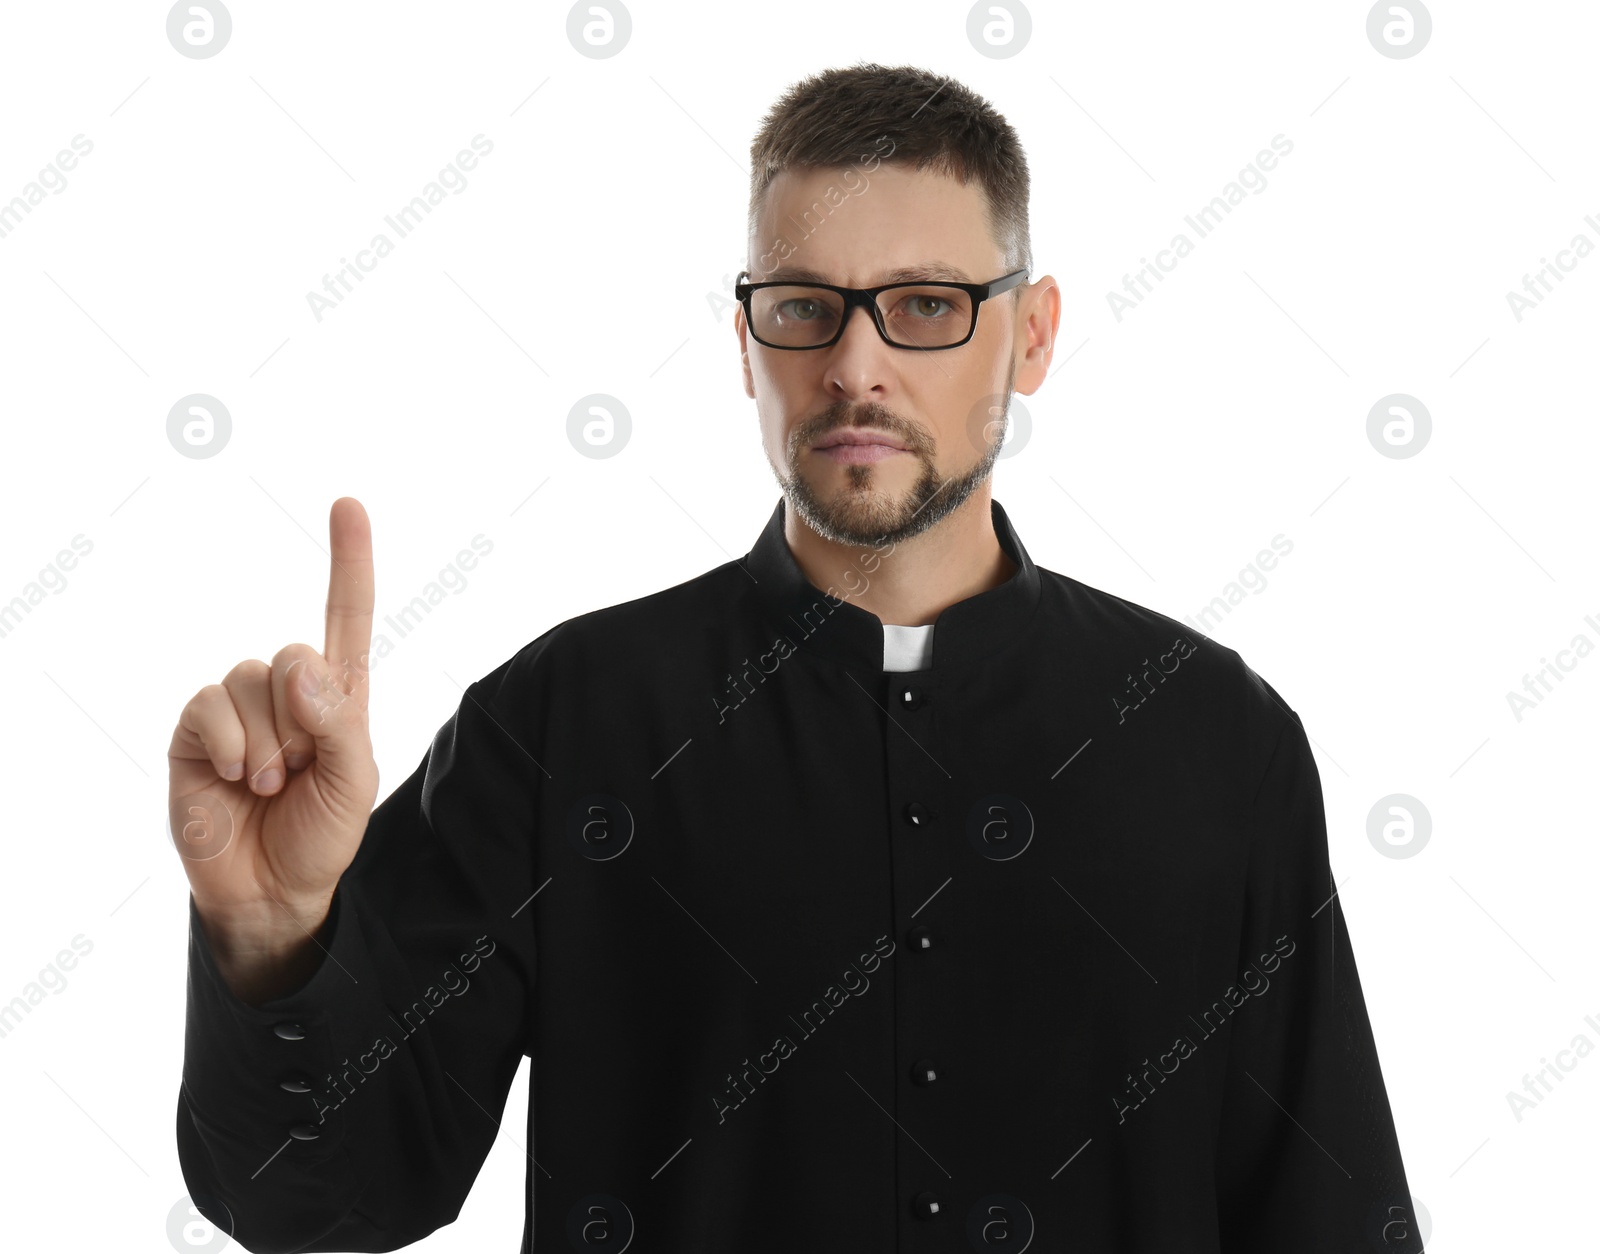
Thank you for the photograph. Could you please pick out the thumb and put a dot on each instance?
(332, 707)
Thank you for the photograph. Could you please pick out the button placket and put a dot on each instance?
(920, 858)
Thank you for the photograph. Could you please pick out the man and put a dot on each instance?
(878, 891)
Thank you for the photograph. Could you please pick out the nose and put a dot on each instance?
(859, 364)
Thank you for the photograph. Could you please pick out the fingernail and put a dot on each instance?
(295, 761)
(269, 779)
(234, 771)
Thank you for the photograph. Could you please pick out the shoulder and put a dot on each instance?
(628, 637)
(1131, 649)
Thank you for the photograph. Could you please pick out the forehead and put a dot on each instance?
(859, 227)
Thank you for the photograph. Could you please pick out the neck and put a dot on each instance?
(910, 582)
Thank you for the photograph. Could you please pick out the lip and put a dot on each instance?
(858, 437)
(855, 453)
(854, 446)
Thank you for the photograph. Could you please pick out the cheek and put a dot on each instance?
(781, 388)
(770, 417)
(956, 411)
(780, 374)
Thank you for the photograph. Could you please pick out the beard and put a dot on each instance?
(864, 511)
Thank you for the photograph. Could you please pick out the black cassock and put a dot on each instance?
(1034, 948)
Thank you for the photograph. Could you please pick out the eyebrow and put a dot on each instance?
(904, 274)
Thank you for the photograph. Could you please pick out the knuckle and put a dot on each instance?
(287, 656)
(251, 670)
(327, 703)
(209, 700)
(210, 714)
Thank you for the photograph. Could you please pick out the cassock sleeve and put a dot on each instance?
(409, 1033)
(1307, 1156)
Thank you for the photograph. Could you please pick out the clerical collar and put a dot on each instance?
(823, 622)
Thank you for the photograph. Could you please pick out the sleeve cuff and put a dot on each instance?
(260, 1080)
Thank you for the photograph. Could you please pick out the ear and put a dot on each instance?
(1038, 317)
(744, 352)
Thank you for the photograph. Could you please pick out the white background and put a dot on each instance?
(1167, 449)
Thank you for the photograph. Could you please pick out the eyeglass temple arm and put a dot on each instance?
(1004, 284)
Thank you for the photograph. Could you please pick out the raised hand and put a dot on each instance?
(272, 780)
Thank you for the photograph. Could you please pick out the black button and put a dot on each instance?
(294, 1084)
(920, 938)
(913, 698)
(304, 1132)
(917, 814)
(290, 1031)
(924, 1072)
(927, 1206)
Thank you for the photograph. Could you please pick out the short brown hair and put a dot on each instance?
(836, 117)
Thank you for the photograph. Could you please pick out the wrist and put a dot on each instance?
(263, 950)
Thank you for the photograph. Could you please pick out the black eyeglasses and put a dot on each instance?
(919, 315)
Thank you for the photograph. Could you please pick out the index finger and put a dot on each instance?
(348, 627)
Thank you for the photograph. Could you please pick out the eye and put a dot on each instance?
(808, 306)
(919, 305)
